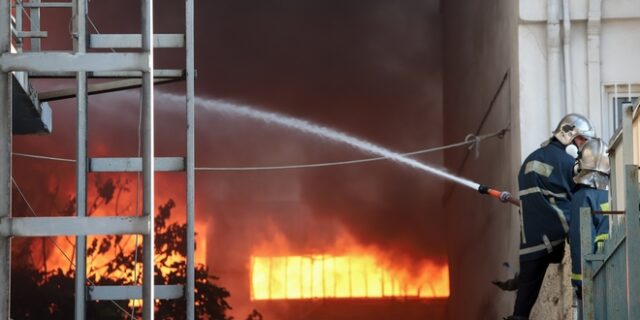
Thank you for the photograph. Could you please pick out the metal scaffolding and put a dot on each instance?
(82, 63)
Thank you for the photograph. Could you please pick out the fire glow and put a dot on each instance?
(124, 204)
(345, 276)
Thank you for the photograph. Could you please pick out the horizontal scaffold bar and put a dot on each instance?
(72, 226)
(134, 41)
(134, 292)
(157, 73)
(134, 164)
(96, 88)
(47, 4)
(74, 62)
(32, 34)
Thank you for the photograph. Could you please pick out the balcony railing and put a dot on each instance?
(610, 278)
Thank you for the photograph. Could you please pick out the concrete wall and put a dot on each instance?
(619, 65)
(479, 55)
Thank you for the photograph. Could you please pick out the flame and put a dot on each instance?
(349, 276)
(355, 272)
(124, 203)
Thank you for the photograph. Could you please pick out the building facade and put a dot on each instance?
(560, 56)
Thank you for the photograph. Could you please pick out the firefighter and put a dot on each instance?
(546, 186)
(592, 183)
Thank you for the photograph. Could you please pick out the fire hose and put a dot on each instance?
(503, 196)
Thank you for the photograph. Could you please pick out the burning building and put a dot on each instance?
(303, 209)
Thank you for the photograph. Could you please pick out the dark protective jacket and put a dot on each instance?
(597, 200)
(546, 185)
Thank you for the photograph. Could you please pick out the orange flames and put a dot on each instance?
(123, 203)
(358, 273)
(351, 276)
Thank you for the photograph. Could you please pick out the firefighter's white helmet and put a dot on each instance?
(593, 164)
(571, 126)
(594, 156)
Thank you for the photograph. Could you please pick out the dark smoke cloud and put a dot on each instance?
(371, 69)
(368, 68)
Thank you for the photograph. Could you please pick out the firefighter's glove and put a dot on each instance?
(600, 246)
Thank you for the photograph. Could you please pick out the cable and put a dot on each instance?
(507, 75)
(97, 31)
(33, 212)
(471, 141)
(26, 155)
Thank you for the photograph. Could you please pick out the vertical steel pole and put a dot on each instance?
(147, 161)
(587, 265)
(190, 161)
(632, 218)
(5, 161)
(633, 238)
(80, 43)
(18, 26)
(34, 13)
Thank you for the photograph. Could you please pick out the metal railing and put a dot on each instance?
(611, 281)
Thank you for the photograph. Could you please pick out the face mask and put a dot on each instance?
(572, 150)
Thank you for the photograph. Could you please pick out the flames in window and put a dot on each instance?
(358, 275)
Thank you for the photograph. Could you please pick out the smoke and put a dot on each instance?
(371, 69)
(368, 68)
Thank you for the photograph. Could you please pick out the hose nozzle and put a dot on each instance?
(503, 196)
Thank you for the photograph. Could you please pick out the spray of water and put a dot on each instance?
(324, 132)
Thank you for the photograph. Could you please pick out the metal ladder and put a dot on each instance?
(138, 68)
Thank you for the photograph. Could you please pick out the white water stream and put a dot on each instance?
(214, 105)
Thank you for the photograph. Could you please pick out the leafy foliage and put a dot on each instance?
(113, 260)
